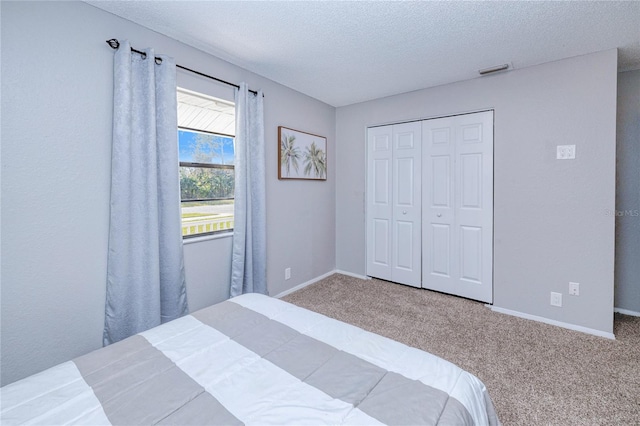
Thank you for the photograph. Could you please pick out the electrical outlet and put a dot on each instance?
(566, 152)
(556, 299)
(574, 289)
(287, 273)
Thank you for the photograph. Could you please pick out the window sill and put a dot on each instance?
(207, 237)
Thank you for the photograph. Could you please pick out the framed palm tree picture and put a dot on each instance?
(302, 155)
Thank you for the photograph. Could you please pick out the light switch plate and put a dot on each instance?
(566, 152)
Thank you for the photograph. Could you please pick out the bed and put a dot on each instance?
(251, 360)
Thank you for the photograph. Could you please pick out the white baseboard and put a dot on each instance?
(316, 279)
(351, 274)
(554, 322)
(626, 312)
(303, 285)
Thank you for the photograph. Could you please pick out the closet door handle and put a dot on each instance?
(404, 212)
(439, 214)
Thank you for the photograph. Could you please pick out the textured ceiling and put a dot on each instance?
(346, 52)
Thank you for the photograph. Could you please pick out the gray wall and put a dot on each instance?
(550, 222)
(628, 193)
(56, 131)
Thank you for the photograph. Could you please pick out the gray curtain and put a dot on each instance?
(249, 261)
(145, 270)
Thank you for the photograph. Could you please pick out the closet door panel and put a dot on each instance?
(406, 244)
(379, 202)
(439, 259)
(439, 251)
(471, 254)
(474, 204)
(458, 205)
(440, 181)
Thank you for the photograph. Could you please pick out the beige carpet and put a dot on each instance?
(537, 374)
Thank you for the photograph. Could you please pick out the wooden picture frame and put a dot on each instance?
(301, 155)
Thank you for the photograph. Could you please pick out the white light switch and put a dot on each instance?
(566, 152)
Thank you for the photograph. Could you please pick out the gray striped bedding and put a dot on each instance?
(251, 360)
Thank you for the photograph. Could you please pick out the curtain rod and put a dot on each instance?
(115, 44)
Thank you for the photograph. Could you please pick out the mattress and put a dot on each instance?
(251, 360)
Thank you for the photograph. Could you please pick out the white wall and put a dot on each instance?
(627, 294)
(208, 272)
(550, 225)
(56, 131)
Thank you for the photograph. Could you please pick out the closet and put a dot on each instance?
(429, 208)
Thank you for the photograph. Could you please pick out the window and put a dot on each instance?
(207, 178)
